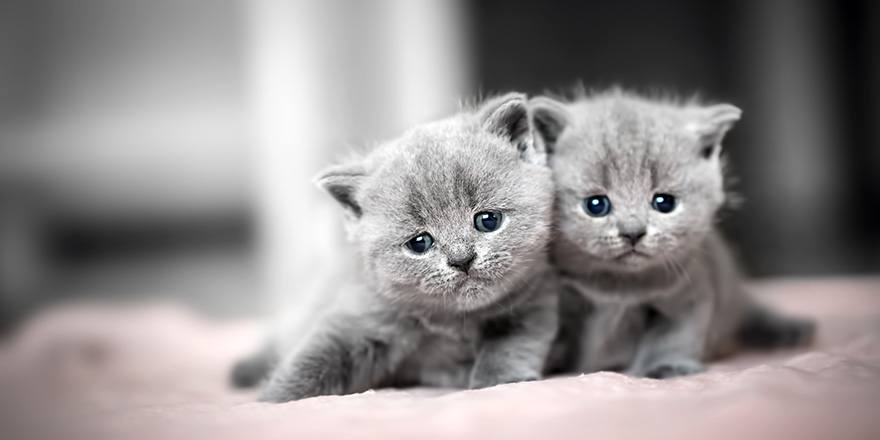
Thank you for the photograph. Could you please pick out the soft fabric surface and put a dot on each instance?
(160, 372)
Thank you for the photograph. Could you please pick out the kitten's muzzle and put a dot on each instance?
(633, 235)
(462, 263)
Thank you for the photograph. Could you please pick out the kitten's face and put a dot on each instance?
(638, 184)
(452, 216)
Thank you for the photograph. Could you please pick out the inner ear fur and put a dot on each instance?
(508, 116)
(710, 124)
(342, 183)
(550, 117)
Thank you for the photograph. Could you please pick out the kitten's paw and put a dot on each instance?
(491, 381)
(279, 393)
(305, 379)
(674, 368)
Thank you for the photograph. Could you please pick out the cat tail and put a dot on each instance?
(250, 371)
(763, 328)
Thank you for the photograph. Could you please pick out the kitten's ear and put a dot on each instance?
(550, 118)
(342, 182)
(508, 117)
(710, 125)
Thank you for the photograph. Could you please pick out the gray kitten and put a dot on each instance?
(451, 222)
(638, 185)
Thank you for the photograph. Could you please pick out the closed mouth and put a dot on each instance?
(631, 253)
(470, 280)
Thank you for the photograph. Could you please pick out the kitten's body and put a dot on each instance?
(700, 295)
(476, 309)
(659, 291)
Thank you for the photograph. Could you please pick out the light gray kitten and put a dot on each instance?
(451, 223)
(638, 185)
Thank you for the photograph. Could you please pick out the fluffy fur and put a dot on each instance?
(659, 291)
(415, 319)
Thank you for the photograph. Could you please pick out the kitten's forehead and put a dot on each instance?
(441, 170)
(620, 141)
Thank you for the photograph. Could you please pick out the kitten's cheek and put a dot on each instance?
(597, 247)
(651, 239)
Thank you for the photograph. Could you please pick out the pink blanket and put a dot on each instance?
(160, 372)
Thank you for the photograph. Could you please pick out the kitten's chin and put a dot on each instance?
(465, 295)
(636, 260)
(628, 261)
(474, 295)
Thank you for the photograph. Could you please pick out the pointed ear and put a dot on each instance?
(710, 124)
(343, 182)
(508, 116)
(550, 118)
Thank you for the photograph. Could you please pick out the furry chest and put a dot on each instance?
(609, 294)
(444, 358)
(611, 336)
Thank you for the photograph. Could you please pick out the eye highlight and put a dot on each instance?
(597, 206)
(488, 221)
(664, 203)
(420, 243)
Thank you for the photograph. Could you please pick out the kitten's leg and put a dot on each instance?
(344, 356)
(515, 348)
(249, 371)
(675, 342)
(761, 327)
(566, 350)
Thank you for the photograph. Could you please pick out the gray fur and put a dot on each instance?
(414, 319)
(674, 299)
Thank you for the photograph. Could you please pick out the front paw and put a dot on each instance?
(303, 380)
(486, 381)
(280, 392)
(674, 368)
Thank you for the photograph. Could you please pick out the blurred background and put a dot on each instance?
(164, 149)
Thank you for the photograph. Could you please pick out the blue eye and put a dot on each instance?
(488, 221)
(664, 203)
(597, 206)
(420, 243)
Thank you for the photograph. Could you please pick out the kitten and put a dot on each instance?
(638, 187)
(451, 222)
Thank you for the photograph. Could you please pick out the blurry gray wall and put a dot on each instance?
(125, 108)
(122, 149)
